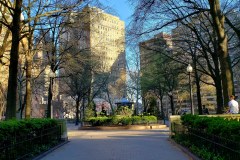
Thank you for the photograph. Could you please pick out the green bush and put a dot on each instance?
(99, 121)
(115, 120)
(200, 150)
(33, 133)
(217, 126)
(124, 111)
(210, 128)
(137, 120)
(149, 119)
(123, 120)
(126, 121)
(23, 127)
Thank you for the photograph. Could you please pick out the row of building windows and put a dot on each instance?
(108, 28)
(111, 20)
(104, 58)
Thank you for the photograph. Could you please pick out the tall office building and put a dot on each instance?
(102, 35)
(148, 48)
(148, 51)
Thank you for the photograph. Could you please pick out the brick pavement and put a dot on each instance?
(117, 145)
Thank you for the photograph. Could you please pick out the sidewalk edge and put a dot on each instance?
(50, 150)
(185, 150)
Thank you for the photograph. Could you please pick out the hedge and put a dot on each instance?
(122, 120)
(24, 139)
(219, 126)
(210, 138)
(23, 127)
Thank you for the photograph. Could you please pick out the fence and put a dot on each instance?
(27, 146)
(229, 150)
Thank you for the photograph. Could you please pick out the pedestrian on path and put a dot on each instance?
(233, 105)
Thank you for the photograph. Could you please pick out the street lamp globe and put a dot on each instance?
(189, 68)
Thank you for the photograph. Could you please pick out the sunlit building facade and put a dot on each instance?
(103, 36)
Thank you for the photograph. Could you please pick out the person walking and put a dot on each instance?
(233, 105)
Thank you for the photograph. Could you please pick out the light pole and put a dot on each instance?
(51, 75)
(189, 70)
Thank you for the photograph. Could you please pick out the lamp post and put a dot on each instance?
(50, 95)
(189, 70)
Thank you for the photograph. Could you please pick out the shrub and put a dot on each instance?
(149, 119)
(213, 125)
(124, 120)
(124, 111)
(23, 127)
(90, 111)
(137, 120)
(99, 121)
(207, 130)
(33, 133)
(115, 120)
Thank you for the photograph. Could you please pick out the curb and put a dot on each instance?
(184, 150)
(50, 150)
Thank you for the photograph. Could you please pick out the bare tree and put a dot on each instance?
(173, 11)
(133, 69)
(16, 27)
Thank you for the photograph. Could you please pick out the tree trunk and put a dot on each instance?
(138, 84)
(109, 100)
(137, 105)
(13, 67)
(218, 85)
(83, 109)
(172, 104)
(29, 61)
(23, 106)
(144, 105)
(2, 100)
(225, 63)
(20, 97)
(50, 95)
(28, 83)
(162, 111)
(199, 99)
(77, 110)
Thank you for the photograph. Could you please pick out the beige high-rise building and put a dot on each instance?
(103, 36)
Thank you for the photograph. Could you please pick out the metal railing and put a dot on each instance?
(24, 147)
(226, 148)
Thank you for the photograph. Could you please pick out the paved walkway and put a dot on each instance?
(117, 145)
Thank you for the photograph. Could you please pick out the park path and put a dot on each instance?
(117, 145)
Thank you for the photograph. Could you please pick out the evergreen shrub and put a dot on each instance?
(210, 137)
(121, 120)
(27, 137)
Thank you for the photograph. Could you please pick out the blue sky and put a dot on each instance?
(122, 7)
